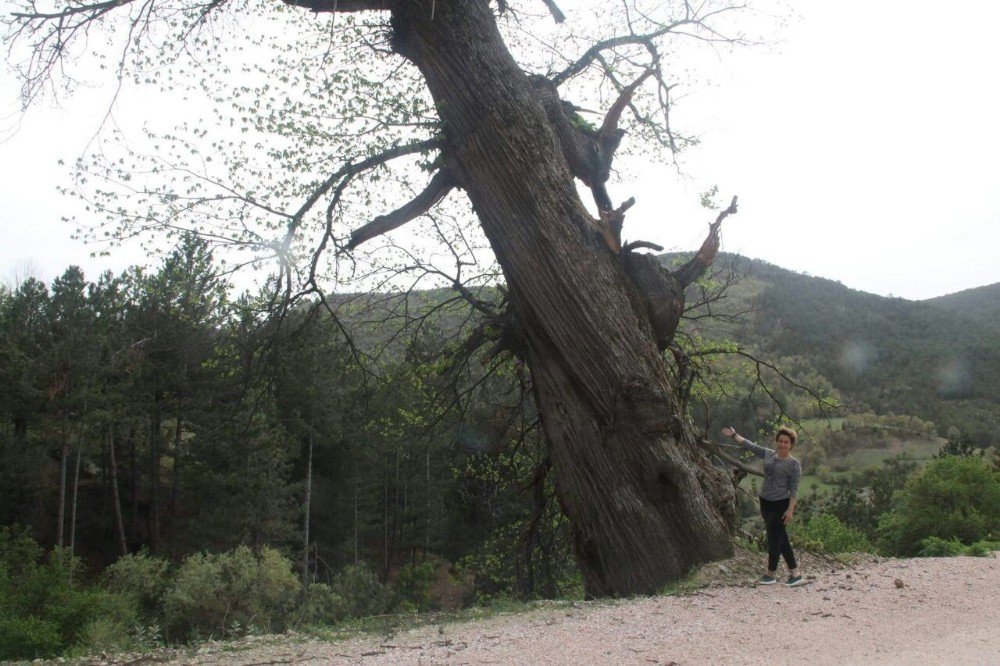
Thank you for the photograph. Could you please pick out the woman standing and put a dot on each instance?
(777, 500)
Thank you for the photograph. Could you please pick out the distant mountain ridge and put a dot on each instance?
(938, 359)
(981, 304)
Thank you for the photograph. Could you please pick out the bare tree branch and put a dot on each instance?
(437, 189)
(52, 34)
(591, 54)
(663, 134)
(694, 269)
(96, 8)
(612, 222)
(714, 449)
(348, 171)
(555, 11)
(340, 5)
(721, 281)
(609, 135)
(635, 245)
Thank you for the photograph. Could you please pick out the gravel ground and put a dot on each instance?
(919, 611)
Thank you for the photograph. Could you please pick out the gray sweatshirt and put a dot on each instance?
(781, 477)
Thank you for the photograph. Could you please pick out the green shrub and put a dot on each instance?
(936, 547)
(413, 585)
(982, 548)
(44, 611)
(318, 604)
(960, 444)
(361, 590)
(28, 637)
(18, 550)
(146, 636)
(451, 589)
(277, 584)
(73, 610)
(141, 577)
(212, 594)
(853, 508)
(193, 603)
(104, 634)
(431, 585)
(953, 498)
(885, 481)
(825, 533)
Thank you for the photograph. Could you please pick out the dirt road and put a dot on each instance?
(946, 612)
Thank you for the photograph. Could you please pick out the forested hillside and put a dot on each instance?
(980, 304)
(938, 359)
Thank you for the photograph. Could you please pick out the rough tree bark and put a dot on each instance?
(644, 503)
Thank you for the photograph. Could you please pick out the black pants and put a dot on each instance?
(777, 537)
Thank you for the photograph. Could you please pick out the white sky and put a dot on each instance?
(864, 148)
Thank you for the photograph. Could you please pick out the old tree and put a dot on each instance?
(483, 95)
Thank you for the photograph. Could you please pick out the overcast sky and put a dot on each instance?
(864, 148)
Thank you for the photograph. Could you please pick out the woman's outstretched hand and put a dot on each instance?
(729, 432)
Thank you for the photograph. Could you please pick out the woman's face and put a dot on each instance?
(784, 443)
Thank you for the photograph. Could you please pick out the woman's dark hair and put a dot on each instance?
(785, 430)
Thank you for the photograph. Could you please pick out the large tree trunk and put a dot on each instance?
(430, 495)
(76, 494)
(175, 476)
(644, 503)
(385, 523)
(115, 497)
(306, 512)
(357, 482)
(155, 434)
(134, 479)
(63, 458)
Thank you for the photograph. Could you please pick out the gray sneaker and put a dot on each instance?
(795, 581)
(767, 579)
